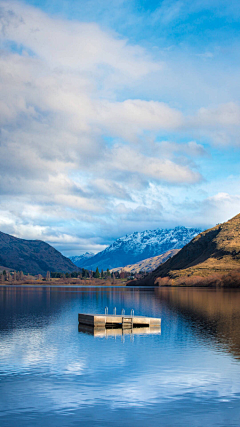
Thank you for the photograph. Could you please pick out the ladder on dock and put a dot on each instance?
(127, 322)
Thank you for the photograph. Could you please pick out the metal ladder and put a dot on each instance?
(127, 322)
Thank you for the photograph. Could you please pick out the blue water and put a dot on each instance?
(187, 374)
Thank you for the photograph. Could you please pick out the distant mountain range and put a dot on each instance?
(138, 246)
(149, 264)
(214, 251)
(79, 260)
(32, 256)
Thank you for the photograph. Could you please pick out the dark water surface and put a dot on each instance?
(53, 375)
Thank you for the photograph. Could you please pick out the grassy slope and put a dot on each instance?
(148, 264)
(216, 250)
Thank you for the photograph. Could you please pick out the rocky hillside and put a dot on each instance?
(138, 246)
(149, 264)
(32, 256)
(214, 251)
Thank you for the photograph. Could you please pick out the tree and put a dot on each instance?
(74, 274)
(108, 272)
(97, 274)
(102, 275)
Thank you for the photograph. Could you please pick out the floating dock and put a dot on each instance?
(117, 321)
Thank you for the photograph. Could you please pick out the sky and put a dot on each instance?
(117, 116)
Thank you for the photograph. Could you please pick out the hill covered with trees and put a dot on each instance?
(32, 256)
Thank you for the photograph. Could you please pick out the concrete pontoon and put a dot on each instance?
(117, 321)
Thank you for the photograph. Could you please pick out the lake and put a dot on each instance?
(52, 374)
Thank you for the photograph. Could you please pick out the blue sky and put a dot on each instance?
(117, 117)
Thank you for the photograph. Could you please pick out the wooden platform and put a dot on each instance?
(117, 321)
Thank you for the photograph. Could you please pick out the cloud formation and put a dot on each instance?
(78, 147)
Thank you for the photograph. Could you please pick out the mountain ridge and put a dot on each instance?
(138, 246)
(32, 256)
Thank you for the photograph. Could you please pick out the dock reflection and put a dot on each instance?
(114, 332)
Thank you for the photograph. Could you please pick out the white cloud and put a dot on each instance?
(222, 206)
(131, 117)
(71, 44)
(191, 148)
(107, 187)
(221, 124)
(131, 161)
(225, 115)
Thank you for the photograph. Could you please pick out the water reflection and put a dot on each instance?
(116, 332)
(212, 313)
(51, 373)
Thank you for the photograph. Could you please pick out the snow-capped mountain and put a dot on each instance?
(78, 260)
(138, 246)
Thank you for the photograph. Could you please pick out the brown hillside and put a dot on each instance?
(149, 264)
(214, 251)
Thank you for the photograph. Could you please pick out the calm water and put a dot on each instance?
(53, 375)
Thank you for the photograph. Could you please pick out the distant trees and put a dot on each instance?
(122, 274)
(8, 276)
(85, 273)
(216, 279)
(58, 275)
(97, 274)
(14, 276)
(74, 274)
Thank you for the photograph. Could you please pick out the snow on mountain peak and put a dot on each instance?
(140, 245)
